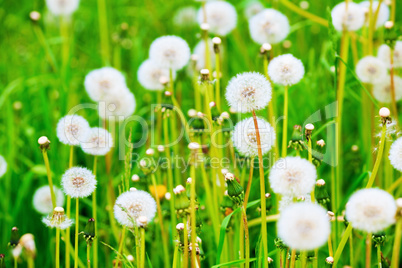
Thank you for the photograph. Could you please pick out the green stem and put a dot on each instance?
(397, 244)
(121, 245)
(218, 80)
(352, 256)
(185, 249)
(342, 244)
(137, 247)
(391, 74)
(379, 256)
(293, 259)
(246, 237)
(65, 45)
(262, 192)
(49, 177)
(77, 213)
(250, 180)
(285, 123)
(95, 216)
(142, 231)
(304, 259)
(175, 254)
(57, 247)
(368, 251)
(103, 31)
(68, 212)
(304, 13)
(207, 52)
(88, 256)
(310, 159)
(193, 217)
(379, 157)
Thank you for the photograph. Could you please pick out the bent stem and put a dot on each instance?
(262, 192)
(77, 208)
(379, 157)
(285, 123)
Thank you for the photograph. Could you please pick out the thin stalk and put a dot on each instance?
(246, 237)
(77, 223)
(262, 192)
(368, 251)
(286, 259)
(193, 217)
(68, 212)
(304, 259)
(397, 244)
(379, 256)
(285, 122)
(207, 52)
(310, 159)
(351, 250)
(370, 28)
(241, 238)
(137, 247)
(175, 254)
(121, 246)
(218, 80)
(391, 74)
(49, 177)
(185, 250)
(379, 157)
(16, 262)
(304, 13)
(315, 261)
(103, 31)
(95, 216)
(142, 231)
(88, 256)
(342, 244)
(57, 247)
(65, 45)
(394, 185)
(293, 259)
(249, 182)
(31, 263)
(393, 8)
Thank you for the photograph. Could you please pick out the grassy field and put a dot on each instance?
(43, 65)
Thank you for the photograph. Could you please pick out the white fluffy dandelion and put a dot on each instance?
(149, 75)
(78, 182)
(286, 70)
(132, 205)
(383, 13)
(253, 8)
(42, 199)
(269, 26)
(221, 17)
(62, 7)
(99, 142)
(244, 137)
(395, 154)
(171, 52)
(304, 226)
(3, 166)
(185, 17)
(72, 129)
(371, 210)
(58, 219)
(104, 81)
(292, 176)
(382, 90)
(371, 70)
(384, 53)
(117, 107)
(350, 17)
(199, 50)
(248, 91)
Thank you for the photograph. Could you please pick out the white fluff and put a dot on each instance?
(199, 50)
(371, 70)
(352, 18)
(371, 210)
(395, 154)
(253, 8)
(185, 17)
(104, 81)
(149, 74)
(57, 219)
(384, 51)
(117, 107)
(248, 91)
(382, 90)
(269, 26)
(72, 129)
(62, 7)
(292, 176)
(304, 226)
(383, 13)
(42, 199)
(221, 17)
(3, 166)
(78, 182)
(286, 70)
(99, 142)
(171, 52)
(132, 205)
(245, 139)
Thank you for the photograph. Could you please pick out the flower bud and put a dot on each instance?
(89, 231)
(321, 194)
(44, 143)
(181, 202)
(235, 190)
(15, 237)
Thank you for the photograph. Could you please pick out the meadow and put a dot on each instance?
(275, 145)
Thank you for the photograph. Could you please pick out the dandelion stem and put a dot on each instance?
(121, 245)
(393, 8)
(304, 259)
(185, 249)
(379, 256)
(218, 80)
(65, 45)
(304, 13)
(352, 262)
(246, 237)
(68, 212)
(94, 215)
(77, 223)
(262, 192)
(207, 52)
(397, 244)
(193, 217)
(142, 231)
(310, 159)
(57, 247)
(368, 251)
(342, 244)
(293, 258)
(137, 247)
(391, 74)
(176, 251)
(249, 182)
(285, 122)
(49, 177)
(379, 157)
(103, 31)
(88, 256)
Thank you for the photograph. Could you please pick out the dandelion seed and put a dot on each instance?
(269, 26)
(371, 210)
(383, 14)
(62, 7)
(304, 226)
(42, 200)
(117, 107)
(99, 142)
(150, 73)
(371, 70)
(221, 17)
(384, 53)
(103, 82)
(72, 129)
(248, 91)
(132, 205)
(395, 154)
(244, 137)
(286, 70)
(292, 176)
(78, 182)
(350, 17)
(3, 166)
(171, 52)
(58, 219)
(253, 8)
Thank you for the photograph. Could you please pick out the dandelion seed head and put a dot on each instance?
(78, 182)
(185, 17)
(244, 137)
(103, 82)
(150, 74)
(371, 70)
(269, 26)
(304, 226)
(132, 205)
(98, 142)
(292, 176)
(42, 199)
(220, 15)
(248, 91)
(72, 129)
(62, 7)
(395, 154)
(58, 219)
(371, 210)
(117, 107)
(384, 53)
(382, 89)
(350, 16)
(170, 52)
(3, 166)
(286, 70)
(253, 8)
(383, 14)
